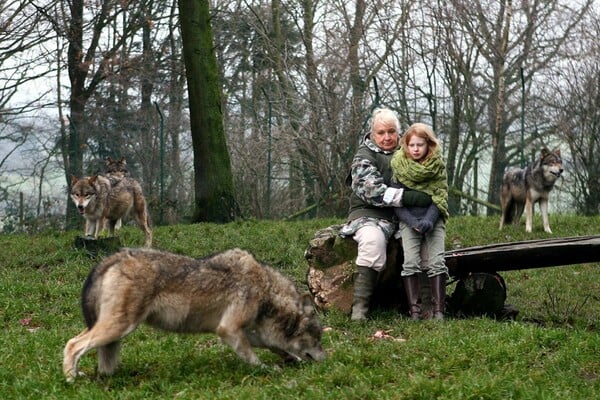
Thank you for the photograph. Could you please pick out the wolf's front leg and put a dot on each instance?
(90, 228)
(528, 215)
(237, 340)
(111, 226)
(99, 227)
(544, 210)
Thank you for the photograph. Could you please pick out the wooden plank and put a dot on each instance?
(539, 253)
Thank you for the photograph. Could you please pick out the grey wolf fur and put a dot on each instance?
(116, 169)
(100, 202)
(231, 294)
(522, 188)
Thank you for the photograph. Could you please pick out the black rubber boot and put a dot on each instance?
(413, 295)
(364, 284)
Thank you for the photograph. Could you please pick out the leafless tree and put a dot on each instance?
(577, 114)
(96, 33)
(23, 62)
(117, 58)
(304, 96)
(299, 78)
(513, 38)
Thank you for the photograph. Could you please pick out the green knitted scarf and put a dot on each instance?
(429, 177)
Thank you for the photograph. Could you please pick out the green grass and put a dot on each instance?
(551, 351)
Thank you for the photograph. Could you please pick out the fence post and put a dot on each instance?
(21, 210)
(162, 164)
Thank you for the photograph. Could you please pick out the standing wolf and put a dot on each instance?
(99, 201)
(116, 169)
(230, 294)
(522, 188)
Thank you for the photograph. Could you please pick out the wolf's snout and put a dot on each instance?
(318, 355)
(557, 173)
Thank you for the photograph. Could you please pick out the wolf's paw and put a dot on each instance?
(70, 378)
(272, 368)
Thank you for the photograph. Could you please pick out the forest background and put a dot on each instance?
(498, 80)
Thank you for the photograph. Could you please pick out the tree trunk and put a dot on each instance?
(213, 182)
(77, 73)
(498, 109)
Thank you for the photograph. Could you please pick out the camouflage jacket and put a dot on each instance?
(370, 176)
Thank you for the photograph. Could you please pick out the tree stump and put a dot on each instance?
(331, 268)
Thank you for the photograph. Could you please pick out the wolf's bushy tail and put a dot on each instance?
(90, 292)
(142, 215)
(509, 212)
(88, 301)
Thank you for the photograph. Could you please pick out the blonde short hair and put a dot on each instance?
(386, 116)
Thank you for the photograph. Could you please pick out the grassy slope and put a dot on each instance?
(550, 352)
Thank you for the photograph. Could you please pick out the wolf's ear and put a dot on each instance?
(108, 160)
(73, 179)
(92, 179)
(545, 152)
(291, 325)
(557, 152)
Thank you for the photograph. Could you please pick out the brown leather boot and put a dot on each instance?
(413, 295)
(438, 294)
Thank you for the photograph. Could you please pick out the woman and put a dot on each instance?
(371, 220)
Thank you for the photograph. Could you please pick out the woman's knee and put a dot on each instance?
(372, 247)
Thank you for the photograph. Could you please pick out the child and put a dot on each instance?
(419, 166)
